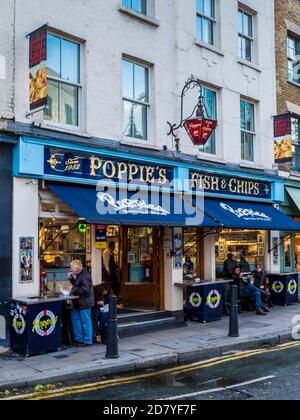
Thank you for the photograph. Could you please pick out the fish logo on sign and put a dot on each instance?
(195, 300)
(292, 287)
(213, 299)
(278, 287)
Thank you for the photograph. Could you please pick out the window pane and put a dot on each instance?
(127, 3)
(52, 113)
(241, 22)
(128, 79)
(210, 98)
(247, 25)
(243, 115)
(53, 55)
(242, 48)
(69, 104)
(249, 115)
(210, 146)
(200, 6)
(209, 8)
(70, 61)
(207, 31)
(140, 122)
(247, 147)
(140, 6)
(140, 83)
(199, 28)
(128, 119)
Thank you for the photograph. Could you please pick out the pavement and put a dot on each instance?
(155, 350)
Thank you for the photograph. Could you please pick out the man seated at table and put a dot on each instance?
(246, 289)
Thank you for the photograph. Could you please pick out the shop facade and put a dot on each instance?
(61, 203)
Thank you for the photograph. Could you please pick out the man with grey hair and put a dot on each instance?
(81, 281)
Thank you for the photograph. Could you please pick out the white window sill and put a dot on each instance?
(251, 165)
(209, 47)
(211, 158)
(64, 129)
(134, 143)
(249, 64)
(139, 16)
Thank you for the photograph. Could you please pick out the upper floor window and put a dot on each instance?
(247, 130)
(210, 98)
(135, 100)
(64, 88)
(293, 53)
(139, 6)
(245, 35)
(206, 20)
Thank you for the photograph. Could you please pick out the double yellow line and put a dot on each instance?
(97, 386)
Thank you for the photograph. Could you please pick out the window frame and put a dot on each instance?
(78, 85)
(212, 19)
(289, 60)
(245, 36)
(296, 143)
(147, 104)
(203, 152)
(147, 6)
(252, 133)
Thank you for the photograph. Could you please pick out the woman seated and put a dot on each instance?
(261, 282)
(101, 311)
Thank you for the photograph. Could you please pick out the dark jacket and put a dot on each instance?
(260, 279)
(83, 287)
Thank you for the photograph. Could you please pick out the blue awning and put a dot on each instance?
(249, 215)
(133, 208)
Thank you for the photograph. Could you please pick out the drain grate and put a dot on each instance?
(61, 356)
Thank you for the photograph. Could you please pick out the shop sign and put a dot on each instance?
(228, 185)
(100, 236)
(18, 314)
(278, 287)
(38, 68)
(292, 287)
(100, 168)
(246, 213)
(195, 300)
(213, 299)
(283, 145)
(45, 323)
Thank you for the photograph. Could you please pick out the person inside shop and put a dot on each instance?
(229, 265)
(81, 316)
(102, 293)
(245, 266)
(89, 266)
(110, 268)
(261, 281)
(188, 266)
(246, 289)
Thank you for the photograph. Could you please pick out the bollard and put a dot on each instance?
(112, 351)
(233, 315)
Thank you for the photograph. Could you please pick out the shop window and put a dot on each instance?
(293, 55)
(64, 88)
(140, 255)
(245, 27)
(289, 258)
(247, 131)
(210, 98)
(135, 100)
(206, 21)
(140, 6)
(247, 248)
(296, 143)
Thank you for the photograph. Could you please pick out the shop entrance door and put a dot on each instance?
(142, 269)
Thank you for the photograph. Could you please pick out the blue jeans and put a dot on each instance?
(251, 291)
(82, 326)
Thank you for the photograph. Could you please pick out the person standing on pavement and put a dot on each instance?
(110, 268)
(81, 281)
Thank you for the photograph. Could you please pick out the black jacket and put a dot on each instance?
(83, 287)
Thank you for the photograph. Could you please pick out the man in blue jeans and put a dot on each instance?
(247, 289)
(82, 312)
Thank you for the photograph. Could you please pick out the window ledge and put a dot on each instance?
(212, 158)
(295, 175)
(294, 83)
(63, 129)
(133, 143)
(209, 47)
(249, 64)
(250, 165)
(139, 16)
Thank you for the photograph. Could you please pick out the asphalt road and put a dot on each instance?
(266, 374)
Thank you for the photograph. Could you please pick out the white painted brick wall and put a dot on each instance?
(172, 51)
(6, 58)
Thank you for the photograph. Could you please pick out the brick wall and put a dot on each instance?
(7, 59)
(286, 91)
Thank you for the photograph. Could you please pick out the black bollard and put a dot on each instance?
(234, 311)
(112, 351)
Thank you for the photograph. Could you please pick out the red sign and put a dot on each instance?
(200, 130)
(38, 47)
(282, 125)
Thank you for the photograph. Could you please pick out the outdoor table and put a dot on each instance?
(36, 324)
(284, 288)
(204, 302)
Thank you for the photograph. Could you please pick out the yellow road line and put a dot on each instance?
(90, 387)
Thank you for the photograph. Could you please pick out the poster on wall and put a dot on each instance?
(177, 244)
(38, 91)
(26, 260)
(283, 145)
